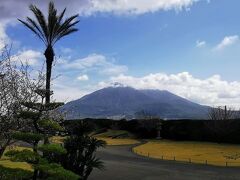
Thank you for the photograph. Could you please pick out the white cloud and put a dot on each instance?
(65, 50)
(4, 39)
(29, 57)
(209, 91)
(112, 69)
(12, 9)
(136, 6)
(66, 89)
(227, 41)
(96, 62)
(200, 44)
(87, 62)
(83, 77)
(66, 93)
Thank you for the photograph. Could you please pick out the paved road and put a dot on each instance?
(122, 164)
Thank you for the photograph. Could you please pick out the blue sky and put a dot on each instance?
(188, 47)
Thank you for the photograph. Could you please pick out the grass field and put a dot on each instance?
(111, 137)
(115, 142)
(195, 152)
(57, 139)
(4, 161)
(115, 133)
(117, 137)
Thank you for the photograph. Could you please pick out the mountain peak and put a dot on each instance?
(123, 101)
(117, 84)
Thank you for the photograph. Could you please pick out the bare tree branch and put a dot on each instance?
(16, 86)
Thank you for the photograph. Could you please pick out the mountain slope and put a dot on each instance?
(172, 106)
(126, 102)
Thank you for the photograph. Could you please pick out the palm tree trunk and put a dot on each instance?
(49, 55)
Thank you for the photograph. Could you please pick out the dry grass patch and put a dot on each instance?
(117, 137)
(57, 139)
(110, 133)
(4, 161)
(196, 152)
(112, 142)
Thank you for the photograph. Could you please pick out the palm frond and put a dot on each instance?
(52, 29)
(32, 29)
(60, 17)
(64, 33)
(94, 162)
(52, 21)
(36, 26)
(71, 24)
(58, 23)
(41, 20)
(64, 25)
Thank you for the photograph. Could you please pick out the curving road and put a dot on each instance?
(122, 164)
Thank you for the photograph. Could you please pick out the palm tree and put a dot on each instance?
(81, 155)
(50, 31)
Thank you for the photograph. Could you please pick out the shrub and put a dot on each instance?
(16, 174)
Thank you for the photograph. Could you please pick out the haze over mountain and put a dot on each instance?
(126, 102)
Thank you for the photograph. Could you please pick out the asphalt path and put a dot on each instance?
(121, 164)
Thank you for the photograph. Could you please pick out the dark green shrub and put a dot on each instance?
(14, 174)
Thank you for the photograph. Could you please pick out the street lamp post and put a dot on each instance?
(159, 128)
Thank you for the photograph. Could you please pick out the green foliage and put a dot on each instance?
(41, 92)
(42, 107)
(224, 131)
(23, 156)
(29, 115)
(79, 128)
(52, 148)
(55, 171)
(52, 106)
(94, 162)
(32, 105)
(50, 125)
(49, 30)
(27, 137)
(14, 174)
(80, 156)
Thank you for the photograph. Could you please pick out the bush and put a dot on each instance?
(52, 148)
(56, 172)
(221, 131)
(16, 174)
(225, 131)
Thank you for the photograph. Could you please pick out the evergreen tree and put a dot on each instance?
(44, 158)
(76, 158)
